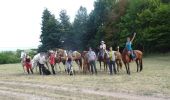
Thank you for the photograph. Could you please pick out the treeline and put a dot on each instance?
(7, 57)
(111, 21)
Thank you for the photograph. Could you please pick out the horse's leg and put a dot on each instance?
(120, 63)
(137, 63)
(47, 66)
(77, 62)
(141, 64)
(117, 65)
(59, 67)
(23, 66)
(104, 65)
(100, 64)
(81, 63)
(128, 68)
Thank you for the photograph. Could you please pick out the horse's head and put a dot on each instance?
(60, 52)
(106, 55)
(84, 53)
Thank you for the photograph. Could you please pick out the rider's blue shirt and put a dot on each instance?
(129, 46)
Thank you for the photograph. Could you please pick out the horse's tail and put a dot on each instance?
(141, 64)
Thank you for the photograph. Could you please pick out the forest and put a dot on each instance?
(111, 21)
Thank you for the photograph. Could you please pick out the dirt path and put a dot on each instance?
(20, 96)
(70, 89)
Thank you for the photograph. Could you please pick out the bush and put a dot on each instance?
(8, 57)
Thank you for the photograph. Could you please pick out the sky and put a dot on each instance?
(20, 20)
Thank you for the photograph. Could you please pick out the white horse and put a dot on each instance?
(39, 58)
(23, 56)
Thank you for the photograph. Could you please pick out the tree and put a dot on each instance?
(50, 32)
(66, 34)
(102, 24)
(155, 31)
(80, 28)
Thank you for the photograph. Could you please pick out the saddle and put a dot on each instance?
(132, 55)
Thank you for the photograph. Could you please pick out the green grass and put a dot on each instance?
(152, 81)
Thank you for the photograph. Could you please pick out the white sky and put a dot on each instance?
(20, 20)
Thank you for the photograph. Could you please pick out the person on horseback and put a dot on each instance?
(129, 46)
(102, 48)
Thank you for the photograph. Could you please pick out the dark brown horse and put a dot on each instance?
(126, 60)
(103, 59)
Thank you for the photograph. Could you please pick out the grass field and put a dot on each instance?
(153, 83)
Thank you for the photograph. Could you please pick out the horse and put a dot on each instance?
(23, 57)
(86, 65)
(61, 56)
(126, 60)
(105, 60)
(77, 58)
(23, 63)
(36, 59)
(118, 60)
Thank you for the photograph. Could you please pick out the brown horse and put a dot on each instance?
(61, 56)
(126, 59)
(118, 60)
(86, 65)
(77, 58)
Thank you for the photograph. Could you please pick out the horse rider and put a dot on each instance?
(129, 46)
(102, 48)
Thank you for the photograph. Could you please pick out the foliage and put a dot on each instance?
(80, 28)
(112, 21)
(50, 37)
(8, 57)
